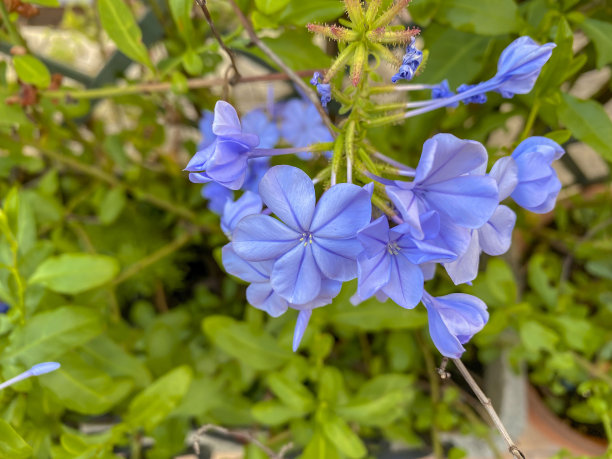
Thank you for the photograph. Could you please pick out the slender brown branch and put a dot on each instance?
(230, 54)
(307, 90)
(486, 403)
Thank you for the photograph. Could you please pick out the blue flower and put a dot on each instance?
(217, 196)
(225, 160)
(324, 89)
(453, 320)
(205, 125)
(37, 370)
(449, 181)
(4, 307)
(389, 263)
(442, 91)
(476, 98)
(257, 122)
(311, 241)
(519, 66)
(301, 125)
(248, 204)
(538, 185)
(410, 63)
(256, 168)
(261, 295)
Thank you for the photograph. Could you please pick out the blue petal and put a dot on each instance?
(452, 237)
(289, 193)
(257, 122)
(429, 270)
(343, 210)
(336, 257)
(248, 271)
(374, 237)
(228, 164)
(205, 125)
(300, 327)
(445, 157)
(465, 268)
(261, 296)
(468, 200)
(410, 208)
(448, 344)
(226, 124)
(405, 285)
(373, 273)
(199, 161)
(422, 251)
(217, 196)
(495, 237)
(329, 290)
(296, 276)
(261, 237)
(248, 204)
(505, 173)
(199, 177)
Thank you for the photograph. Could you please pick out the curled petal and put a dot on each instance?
(296, 276)
(300, 327)
(290, 194)
(261, 237)
(261, 296)
(226, 124)
(495, 237)
(248, 271)
(505, 173)
(405, 285)
(200, 160)
(465, 268)
(248, 204)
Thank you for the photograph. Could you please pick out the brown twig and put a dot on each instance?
(247, 437)
(307, 90)
(230, 54)
(486, 403)
(441, 370)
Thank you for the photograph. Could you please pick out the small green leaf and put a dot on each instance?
(291, 393)
(555, 70)
(74, 273)
(589, 122)
(121, 27)
(32, 71)
(340, 434)
(257, 350)
(536, 337)
(320, 447)
(12, 445)
(273, 413)
(152, 405)
(561, 136)
(300, 12)
(181, 13)
(50, 334)
(271, 6)
(600, 33)
(111, 206)
(43, 2)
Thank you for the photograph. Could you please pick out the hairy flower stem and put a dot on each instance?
(488, 406)
(399, 87)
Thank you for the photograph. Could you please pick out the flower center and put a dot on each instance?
(306, 238)
(393, 248)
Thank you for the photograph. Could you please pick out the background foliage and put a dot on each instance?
(108, 254)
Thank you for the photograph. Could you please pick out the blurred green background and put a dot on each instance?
(109, 256)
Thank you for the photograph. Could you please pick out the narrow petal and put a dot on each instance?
(300, 327)
(261, 296)
(468, 200)
(329, 290)
(429, 270)
(290, 194)
(343, 210)
(199, 177)
(373, 273)
(495, 237)
(337, 257)
(452, 237)
(261, 237)
(296, 276)
(448, 344)
(248, 271)
(423, 251)
(446, 156)
(226, 124)
(199, 161)
(375, 236)
(465, 268)
(248, 204)
(405, 285)
(505, 173)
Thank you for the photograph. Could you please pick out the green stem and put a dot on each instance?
(607, 424)
(383, 120)
(535, 108)
(14, 35)
(434, 387)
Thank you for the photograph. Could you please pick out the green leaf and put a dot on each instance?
(589, 122)
(32, 71)
(484, 17)
(271, 6)
(373, 315)
(600, 268)
(536, 337)
(291, 393)
(84, 388)
(454, 55)
(157, 401)
(320, 447)
(49, 335)
(273, 413)
(121, 27)
(181, 13)
(300, 12)
(12, 445)
(555, 70)
(73, 273)
(340, 434)
(111, 206)
(600, 33)
(257, 350)
(43, 2)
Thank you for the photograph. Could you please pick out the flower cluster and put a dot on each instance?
(296, 251)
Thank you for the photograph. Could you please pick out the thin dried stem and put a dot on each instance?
(307, 90)
(488, 406)
(230, 54)
(243, 436)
